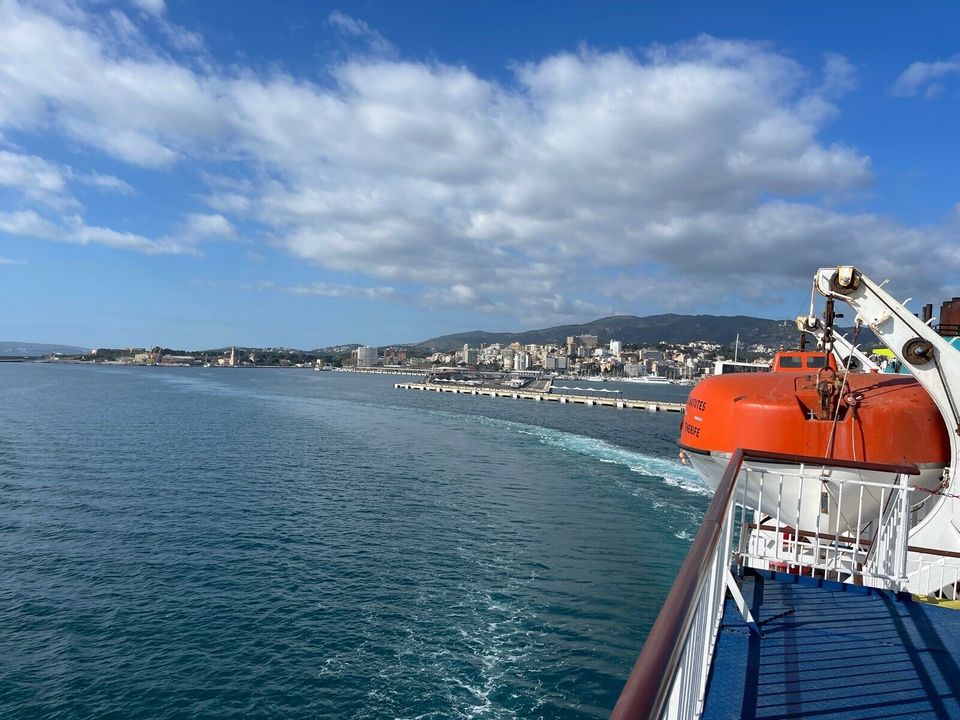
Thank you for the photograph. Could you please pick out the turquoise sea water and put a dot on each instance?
(183, 543)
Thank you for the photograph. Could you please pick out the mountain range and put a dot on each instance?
(629, 329)
(634, 330)
(12, 348)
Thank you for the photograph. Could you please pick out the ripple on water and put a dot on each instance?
(268, 543)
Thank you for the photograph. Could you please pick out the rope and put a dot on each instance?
(836, 415)
(846, 372)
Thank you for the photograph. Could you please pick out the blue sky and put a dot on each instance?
(306, 174)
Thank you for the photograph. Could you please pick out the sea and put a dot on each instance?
(247, 543)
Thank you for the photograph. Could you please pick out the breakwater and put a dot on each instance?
(541, 396)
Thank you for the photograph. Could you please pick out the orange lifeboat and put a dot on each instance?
(805, 406)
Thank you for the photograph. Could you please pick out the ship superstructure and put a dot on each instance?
(810, 609)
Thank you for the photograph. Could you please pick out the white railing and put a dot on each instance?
(933, 576)
(688, 690)
(669, 679)
(815, 520)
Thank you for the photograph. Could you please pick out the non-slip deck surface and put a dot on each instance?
(834, 652)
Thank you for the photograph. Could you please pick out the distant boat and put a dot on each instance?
(727, 367)
(653, 379)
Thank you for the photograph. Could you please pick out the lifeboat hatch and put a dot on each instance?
(809, 404)
(809, 401)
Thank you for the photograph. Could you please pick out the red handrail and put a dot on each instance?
(645, 692)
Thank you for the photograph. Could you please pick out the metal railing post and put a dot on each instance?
(903, 536)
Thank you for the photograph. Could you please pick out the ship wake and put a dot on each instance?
(668, 469)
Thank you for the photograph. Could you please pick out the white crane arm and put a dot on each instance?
(932, 360)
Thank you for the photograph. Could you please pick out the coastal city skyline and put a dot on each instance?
(624, 331)
(580, 356)
(303, 174)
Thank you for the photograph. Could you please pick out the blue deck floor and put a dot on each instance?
(834, 651)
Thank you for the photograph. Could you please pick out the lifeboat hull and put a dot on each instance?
(880, 419)
(812, 498)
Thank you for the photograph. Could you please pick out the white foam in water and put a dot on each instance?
(694, 483)
(672, 472)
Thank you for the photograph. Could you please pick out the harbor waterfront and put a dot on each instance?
(183, 542)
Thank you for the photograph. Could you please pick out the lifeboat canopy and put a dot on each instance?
(809, 406)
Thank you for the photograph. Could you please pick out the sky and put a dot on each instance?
(305, 174)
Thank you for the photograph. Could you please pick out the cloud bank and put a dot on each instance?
(585, 182)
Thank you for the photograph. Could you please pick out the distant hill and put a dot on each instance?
(631, 329)
(12, 348)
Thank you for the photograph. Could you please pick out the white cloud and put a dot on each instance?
(432, 175)
(228, 202)
(11, 261)
(353, 28)
(107, 183)
(47, 183)
(258, 286)
(197, 226)
(27, 223)
(178, 37)
(34, 177)
(323, 289)
(86, 235)
(923, 77)
(140, 108)
(463, 294)
(153, 7)
(839, 75)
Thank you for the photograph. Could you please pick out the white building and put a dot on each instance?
(616, 347)
(521, 361)
(489, 355)
(367, 356)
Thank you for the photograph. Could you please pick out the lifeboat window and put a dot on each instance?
(791, 361)
(815, 361)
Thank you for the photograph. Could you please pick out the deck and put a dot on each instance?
(832, 652)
